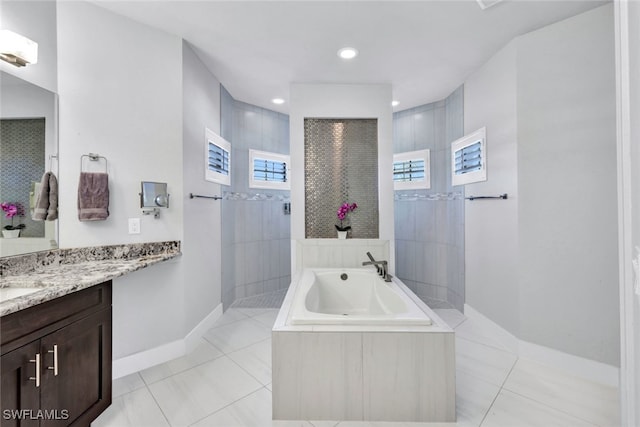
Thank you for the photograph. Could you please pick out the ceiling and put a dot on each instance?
(424, 49)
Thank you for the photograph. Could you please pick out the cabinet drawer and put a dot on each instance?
(34, 322)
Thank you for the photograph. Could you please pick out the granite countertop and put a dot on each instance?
(76, 272)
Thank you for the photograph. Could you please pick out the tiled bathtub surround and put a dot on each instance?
(60, 272)
(429, 224)
(349, 253)
(394, 371)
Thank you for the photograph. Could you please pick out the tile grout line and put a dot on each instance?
(241, 367)
(554, 408)
(226, 406)
(499, 391)
(157, 404)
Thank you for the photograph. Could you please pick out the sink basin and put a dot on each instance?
(9, 293)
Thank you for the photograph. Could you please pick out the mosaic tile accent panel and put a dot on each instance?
(341, 165)
(21, 163)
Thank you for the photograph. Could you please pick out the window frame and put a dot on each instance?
(212, 175)
(274, 157)
(480, 175)
(424, 184)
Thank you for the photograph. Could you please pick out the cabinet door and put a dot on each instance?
(81, 390)
(19, 397)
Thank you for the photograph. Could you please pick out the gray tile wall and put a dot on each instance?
(430, 233)
(256, 233)
(21, 163)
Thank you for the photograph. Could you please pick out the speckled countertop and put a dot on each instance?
(60, 272)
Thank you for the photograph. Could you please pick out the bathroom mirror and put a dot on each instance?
(154, 195)
(28, 148)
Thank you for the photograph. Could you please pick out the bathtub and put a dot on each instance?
(353, 296)
(360, 348)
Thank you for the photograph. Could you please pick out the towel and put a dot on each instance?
(52, 212)
(93, 196)
(46, 204)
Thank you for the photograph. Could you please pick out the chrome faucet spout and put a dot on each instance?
(381, 267)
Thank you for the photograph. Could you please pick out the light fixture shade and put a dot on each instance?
(16, 49)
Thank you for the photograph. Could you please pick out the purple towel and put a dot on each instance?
(46, 206)
(93, 196)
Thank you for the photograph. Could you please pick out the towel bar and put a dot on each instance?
(193, 196)
(502, 196)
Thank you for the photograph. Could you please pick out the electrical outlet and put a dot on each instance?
(134, 225)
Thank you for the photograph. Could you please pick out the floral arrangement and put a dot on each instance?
(342, 215)
(11, 210)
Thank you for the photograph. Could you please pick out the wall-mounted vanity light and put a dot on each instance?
(16, 49)
(153, 196)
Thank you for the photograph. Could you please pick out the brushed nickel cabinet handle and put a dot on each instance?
(54, 368)
(37, 377)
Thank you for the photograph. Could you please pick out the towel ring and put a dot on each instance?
(94, 158)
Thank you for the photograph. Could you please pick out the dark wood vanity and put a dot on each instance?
(56, 360)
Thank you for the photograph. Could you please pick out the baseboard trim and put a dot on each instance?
(579, 366)
(145, 359)
(163, 353)
(193, 338)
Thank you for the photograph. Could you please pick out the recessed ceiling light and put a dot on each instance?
(348, 53)
(277, 101)
(395, 103)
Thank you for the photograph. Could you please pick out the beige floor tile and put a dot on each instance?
(200, 391)
(256, 360)
(134, 409)
(513, 410)
(595, 403)
(237, 335)
(484, 362)
(204, 352)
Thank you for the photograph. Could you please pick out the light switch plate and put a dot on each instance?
(134, 225)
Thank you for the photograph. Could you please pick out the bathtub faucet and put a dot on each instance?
(381, 266)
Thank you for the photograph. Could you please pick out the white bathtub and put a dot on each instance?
(360, 349)
(353, 296)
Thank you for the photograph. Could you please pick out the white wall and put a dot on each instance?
(120, 87)
(491, 227)
(35, 20)
(201, 245)
(634, 70)
(543, 264)
(342, 101)
(567, 187)
(627, 16)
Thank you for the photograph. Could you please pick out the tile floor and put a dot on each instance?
(227, 382)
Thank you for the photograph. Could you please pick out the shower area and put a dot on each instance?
(429, 224)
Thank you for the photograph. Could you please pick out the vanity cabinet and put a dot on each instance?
(56, 360)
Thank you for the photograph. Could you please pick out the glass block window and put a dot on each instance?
(217, 159)
(268, 170)
(468, 158)
(411, 170)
